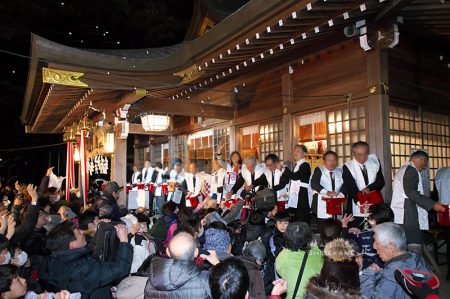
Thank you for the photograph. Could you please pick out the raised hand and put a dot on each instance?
(346, 219)
(122, 232)
(32, 192)
(11, 227)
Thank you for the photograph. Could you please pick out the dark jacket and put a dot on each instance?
(26, 228)
(170, 278)
(77, 271)
(415, 199)
(256, 287)
(302, 212)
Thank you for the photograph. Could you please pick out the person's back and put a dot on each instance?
(289, 260)
(71, 267)
(178, 276)
(169, 278)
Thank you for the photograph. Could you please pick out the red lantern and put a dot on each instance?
(368, 199)
(444, 217)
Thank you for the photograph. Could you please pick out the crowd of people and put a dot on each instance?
(247, 230)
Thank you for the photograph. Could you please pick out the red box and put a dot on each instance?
(151, 187)
(281, 205)
(444, 218)
(231, 202)
(128, 188)
(368, 199)
(334, 205)
(140, 186)
(193, 201)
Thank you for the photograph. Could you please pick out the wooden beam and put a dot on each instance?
(181, 107)
(392, 8)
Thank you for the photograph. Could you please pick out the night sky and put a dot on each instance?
(112, 24)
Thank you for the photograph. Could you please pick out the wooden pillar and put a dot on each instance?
(287, 92)
(119, 166)
(378, 113)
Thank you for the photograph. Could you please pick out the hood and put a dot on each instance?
(315, 291)
(169, 274)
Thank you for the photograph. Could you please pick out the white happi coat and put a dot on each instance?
(147, 178)
(294, 187)
(259, 170)
(134, 177)
(372, 167)
(325, 182)
(215, 181)
(399, 197)
(194, 190)
(228, 186)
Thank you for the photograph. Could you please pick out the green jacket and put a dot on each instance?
(288, 264)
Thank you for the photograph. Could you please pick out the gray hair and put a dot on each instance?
(389, 232)
(250, 160)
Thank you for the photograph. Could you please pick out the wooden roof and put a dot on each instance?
(260, 34)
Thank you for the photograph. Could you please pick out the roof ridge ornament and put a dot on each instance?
(62, 77)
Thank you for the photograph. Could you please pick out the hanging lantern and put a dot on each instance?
(109, 144)
(155, 122)
(76, 153)
(69, 134)
(77, 130)
(85, 124)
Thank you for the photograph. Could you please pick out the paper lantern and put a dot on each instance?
(109, 144)
(155, 122)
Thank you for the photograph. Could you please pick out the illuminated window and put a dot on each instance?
(249, 141)
(261, 140)
(346, 126)
(179, 151)
(224, 135)
(411, 129)
(200, 149)
(271, 139)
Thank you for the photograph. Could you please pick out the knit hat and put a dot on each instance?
(340, 250)
(217, 239)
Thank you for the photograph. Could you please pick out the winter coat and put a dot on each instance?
(256, 287)
(288, 264)
(315, 291)
(169, 278)
(131, 287)
(383, 284)
(76, 270)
